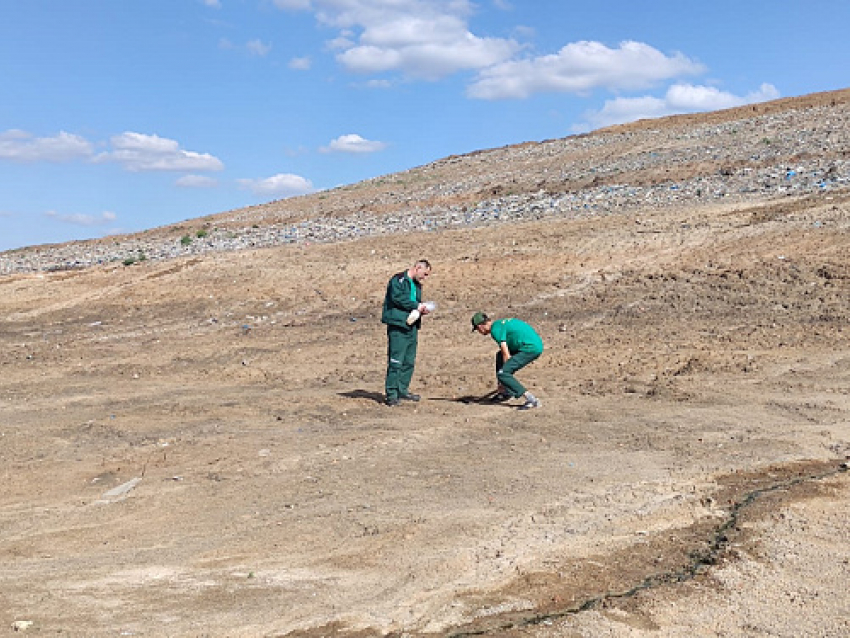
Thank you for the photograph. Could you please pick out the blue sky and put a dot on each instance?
(122, 115)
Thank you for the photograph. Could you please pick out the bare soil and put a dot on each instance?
(683, 477)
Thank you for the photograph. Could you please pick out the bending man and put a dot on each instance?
(519, 345)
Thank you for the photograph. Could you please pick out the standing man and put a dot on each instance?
(404, 296)
(519, 345)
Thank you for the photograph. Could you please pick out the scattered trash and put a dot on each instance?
(123, 489)
(22, 625)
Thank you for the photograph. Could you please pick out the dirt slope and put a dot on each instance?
(683, 477)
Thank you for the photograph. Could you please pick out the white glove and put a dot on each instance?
(412, 317)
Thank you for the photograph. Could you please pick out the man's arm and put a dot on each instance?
(400, 295)
(506, 354)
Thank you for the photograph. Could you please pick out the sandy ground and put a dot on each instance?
(199, 448)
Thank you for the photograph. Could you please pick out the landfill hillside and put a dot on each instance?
(193, 438)
(788, 148)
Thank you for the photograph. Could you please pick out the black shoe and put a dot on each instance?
(393, 403)
(409, 397)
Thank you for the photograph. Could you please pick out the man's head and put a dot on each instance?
(481, 323)
(420, 271)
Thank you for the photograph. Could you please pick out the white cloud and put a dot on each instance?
(280, 185)
(418, 38)
(196, 181)
(215, 4)
(580, 67)
(431, 39)
(20, 146)
(353, 143)
(300, 64)
(428, 47)
(140, 152)
(80, 219)
(686, 97)
(680, 98)
(258, 48)
(622, 110)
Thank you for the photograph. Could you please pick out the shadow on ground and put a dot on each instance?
(377, 397)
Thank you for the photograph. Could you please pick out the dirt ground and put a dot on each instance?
(199, 447)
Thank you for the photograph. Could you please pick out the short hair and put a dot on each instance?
(424, 262)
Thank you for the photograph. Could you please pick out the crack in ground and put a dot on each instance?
(701, 561)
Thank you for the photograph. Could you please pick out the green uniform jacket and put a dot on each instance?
(403, 295)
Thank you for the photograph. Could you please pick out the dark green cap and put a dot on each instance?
(477, 319)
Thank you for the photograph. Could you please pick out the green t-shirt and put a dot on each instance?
(412, 290)
(519, 336)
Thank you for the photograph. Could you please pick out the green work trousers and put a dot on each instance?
(401, 357)
(505, 370)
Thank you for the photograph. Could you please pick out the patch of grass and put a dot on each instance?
(135, 259)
